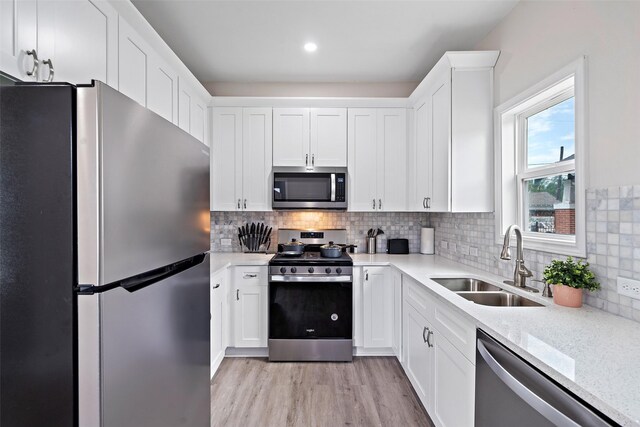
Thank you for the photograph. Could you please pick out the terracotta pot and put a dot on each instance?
(567, 296)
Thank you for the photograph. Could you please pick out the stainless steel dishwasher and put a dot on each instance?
(511, 392)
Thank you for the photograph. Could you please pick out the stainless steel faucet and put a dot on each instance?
(521, 272)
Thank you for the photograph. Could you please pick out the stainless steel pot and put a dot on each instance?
(331, 250)
(293, 248)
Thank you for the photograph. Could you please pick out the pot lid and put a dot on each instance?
(331, 245)
(294, 242)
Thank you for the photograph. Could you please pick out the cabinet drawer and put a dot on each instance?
(250, 276)
(459, 331)
(417, 296)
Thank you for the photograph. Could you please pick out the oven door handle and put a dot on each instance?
(281, 278)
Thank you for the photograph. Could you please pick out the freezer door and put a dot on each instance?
(143, 189)
(144, 355)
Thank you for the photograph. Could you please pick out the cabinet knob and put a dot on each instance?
(52, 71)
(34, 70)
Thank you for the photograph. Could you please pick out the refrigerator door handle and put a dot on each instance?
(141, 281)
(533, 400)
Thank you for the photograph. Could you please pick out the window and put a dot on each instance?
(540, 145)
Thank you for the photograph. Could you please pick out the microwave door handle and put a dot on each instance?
(333, 187)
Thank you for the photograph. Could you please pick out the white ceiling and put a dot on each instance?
(358, 41)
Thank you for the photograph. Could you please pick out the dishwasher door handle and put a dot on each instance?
(533, 400)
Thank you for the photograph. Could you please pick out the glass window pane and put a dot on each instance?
(550, 204)
(551, 134)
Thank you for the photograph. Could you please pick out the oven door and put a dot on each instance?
(309, 190)
(310, 321)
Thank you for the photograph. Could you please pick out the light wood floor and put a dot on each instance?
(371, 391)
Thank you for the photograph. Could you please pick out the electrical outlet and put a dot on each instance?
(225, 242)
(629, 287)
(473, 251)
(453, 247)
(444, 244)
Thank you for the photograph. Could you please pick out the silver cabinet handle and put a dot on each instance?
(424, 330)
(34, 70)
(544, 408)
(52, 71)
(428, 202)
(313, 160)
(306, 160)
(366, 275)
(245, 203)
(217, 285)
(374, 203)
(429, 337)
(238, 204)
(379, 204)
(424, 202)
(250, 275)
(237, 294)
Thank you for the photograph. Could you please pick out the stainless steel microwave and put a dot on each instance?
(321, 188)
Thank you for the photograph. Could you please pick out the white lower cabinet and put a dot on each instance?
(396, 279)
(249, 306)
(219, 318)
(442, 374)
(378, 307)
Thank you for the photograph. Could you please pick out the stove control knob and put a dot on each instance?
(327, 270)
(283, 270)
(293, 270)
(310, 269)
(338, 270)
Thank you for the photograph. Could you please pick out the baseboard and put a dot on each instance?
(247, 352)
(215, 363)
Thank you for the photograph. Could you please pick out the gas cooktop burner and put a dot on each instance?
(310, 258)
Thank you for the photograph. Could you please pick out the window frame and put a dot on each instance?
(512, 164)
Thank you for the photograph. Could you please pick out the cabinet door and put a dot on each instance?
(250, 307)
(80, 38)
(291, 137)
(162, 95)
(256, 162)
(422, 196)
(440, 130)
(133, 62)
(396, 277)
(417, 355)
(378, 307)
(18, 34)
(454, 385)
(329, 137)
(218, 320)
(392, 159)
(362, 159)
(198, 123)
(226, 159)
(185, 100)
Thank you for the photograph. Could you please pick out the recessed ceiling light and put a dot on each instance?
(310, 47)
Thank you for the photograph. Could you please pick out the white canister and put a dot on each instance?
(427, 241)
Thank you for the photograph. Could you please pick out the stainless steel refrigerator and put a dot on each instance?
(104, 272)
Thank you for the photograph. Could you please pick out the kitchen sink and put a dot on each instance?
(466, 284)
(499, 299)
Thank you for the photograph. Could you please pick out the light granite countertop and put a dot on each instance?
(594, 354)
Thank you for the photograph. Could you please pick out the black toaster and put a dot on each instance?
(398, 246)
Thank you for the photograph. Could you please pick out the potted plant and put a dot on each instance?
(569, 278)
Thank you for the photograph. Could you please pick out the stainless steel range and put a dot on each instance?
(311, 300)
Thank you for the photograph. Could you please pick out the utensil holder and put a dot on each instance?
(372, 243)
(262, 249)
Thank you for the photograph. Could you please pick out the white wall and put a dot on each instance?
(539, 37)
(365, 90)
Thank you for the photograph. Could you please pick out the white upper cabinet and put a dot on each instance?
(78, 40)
(18, 35)
(191, 111)
(453, 150)
(241, 154)
(328, 137)
(256, 159)
(291, 137)
(309, 137)
(73, 41)
(162, 93)
(377, 159)
(133, 61)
